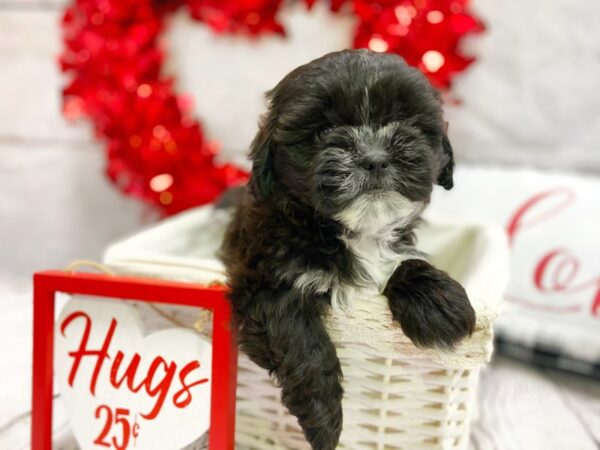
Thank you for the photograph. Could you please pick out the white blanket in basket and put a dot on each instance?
(184, 248)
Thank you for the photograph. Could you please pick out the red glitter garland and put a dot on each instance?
(156, 149)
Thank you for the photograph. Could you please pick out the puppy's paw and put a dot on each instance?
(314, 396)
(432, 308)
(326, 435)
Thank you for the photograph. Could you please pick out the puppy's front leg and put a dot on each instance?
(432, 308)
(283, 333)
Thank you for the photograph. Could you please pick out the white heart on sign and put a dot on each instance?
(150, 409)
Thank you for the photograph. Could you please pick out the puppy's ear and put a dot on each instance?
(445, 176)
(261, 154)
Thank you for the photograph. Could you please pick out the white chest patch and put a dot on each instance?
(372, 220)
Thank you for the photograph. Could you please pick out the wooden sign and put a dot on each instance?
(122, 389)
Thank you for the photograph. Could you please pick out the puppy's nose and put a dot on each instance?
(376, 164)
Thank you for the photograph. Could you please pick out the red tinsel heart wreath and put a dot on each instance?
(156, 149)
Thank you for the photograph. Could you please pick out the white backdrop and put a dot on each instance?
(531, 97)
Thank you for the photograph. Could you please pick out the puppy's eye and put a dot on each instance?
(325, 132)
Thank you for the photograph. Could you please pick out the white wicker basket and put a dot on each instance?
(396, 396)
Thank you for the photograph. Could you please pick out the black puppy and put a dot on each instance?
(343, 165)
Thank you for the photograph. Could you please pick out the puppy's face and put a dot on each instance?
(350, 125)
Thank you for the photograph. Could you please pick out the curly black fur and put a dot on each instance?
(343, 165)
(432, 308)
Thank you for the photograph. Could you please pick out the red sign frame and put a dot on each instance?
(224, 359)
